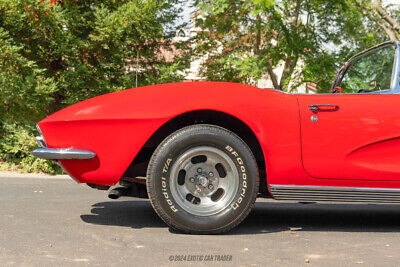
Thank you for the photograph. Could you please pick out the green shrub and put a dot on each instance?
(16, 143)
(54, 54)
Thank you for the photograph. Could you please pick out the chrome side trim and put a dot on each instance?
(38, 129)
(62, 153)
(335, 194)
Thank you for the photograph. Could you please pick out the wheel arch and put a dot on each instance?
(138, 166)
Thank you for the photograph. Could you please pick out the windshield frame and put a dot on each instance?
(395, 79)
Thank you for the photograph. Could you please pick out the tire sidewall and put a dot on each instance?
(174, 146)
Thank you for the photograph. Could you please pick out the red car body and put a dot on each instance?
(349, 140)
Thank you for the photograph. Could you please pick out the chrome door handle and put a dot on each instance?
(323, 107)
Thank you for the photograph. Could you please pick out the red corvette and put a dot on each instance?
(204, 151)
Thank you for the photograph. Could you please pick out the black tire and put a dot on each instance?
(242, 164)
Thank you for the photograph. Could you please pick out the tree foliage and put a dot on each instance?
(256, 37)
(58, 53)
(384, 17)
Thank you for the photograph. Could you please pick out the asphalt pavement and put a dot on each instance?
(48, 221)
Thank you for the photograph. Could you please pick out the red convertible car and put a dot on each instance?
(202, 152)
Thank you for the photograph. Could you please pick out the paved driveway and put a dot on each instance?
(46, 221)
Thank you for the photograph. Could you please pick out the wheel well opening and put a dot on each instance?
(138, 167)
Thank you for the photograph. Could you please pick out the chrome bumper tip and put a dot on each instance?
(40, 141)
(62, 153)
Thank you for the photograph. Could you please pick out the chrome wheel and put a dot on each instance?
(204, 180)
(202, 189)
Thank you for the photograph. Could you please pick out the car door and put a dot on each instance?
(355, 134)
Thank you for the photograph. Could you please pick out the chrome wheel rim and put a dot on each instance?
(204, 180)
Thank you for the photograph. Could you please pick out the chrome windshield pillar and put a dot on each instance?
(395, 82)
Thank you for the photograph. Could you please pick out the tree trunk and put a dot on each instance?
(273, 77)
(386, 16)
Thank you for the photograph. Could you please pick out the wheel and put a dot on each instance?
(202, 179)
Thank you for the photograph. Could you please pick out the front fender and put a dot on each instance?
(115, 126)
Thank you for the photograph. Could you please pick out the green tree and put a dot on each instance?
(243, 41)
(56, 54)
(255, 37)
(385, 17)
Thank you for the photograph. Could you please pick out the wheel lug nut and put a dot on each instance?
(191, 179)
(210, 186)
(199, 170)
(211, 174)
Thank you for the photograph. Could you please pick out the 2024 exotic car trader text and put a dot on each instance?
(204, 151)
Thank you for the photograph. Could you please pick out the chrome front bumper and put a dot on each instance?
(58, 153)
(62, 153)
